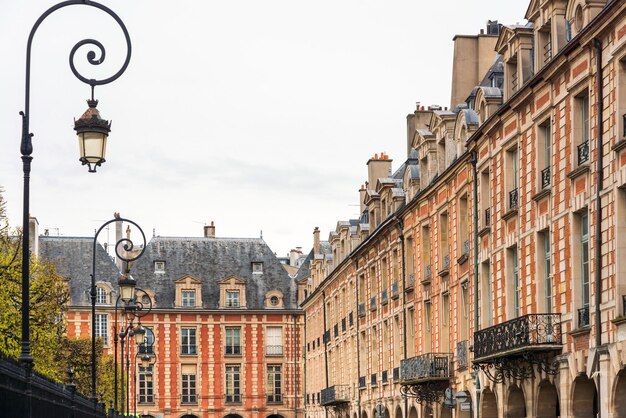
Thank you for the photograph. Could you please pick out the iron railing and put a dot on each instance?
(583, 317)
(396, 374)
(394, 290)
(583, 153)
(362, 381)
(431, 366)
(466, 247)
(373, 303)
(428, 272)
(446, 262)
(411, 282)
(361, 309)
(384, 298)
(274, 350)
(488, 217)
(545, 177)
(461, 354)
(513, 199)
(528, 331)
(335, 394)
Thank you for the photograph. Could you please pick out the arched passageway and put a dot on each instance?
(488, 404)
(233, 416)
(620, 395)
(189, 416)
(274, 416)
(413, 412)
(516, 403)
(398, 412)
(584, 398)
(363, 414)
(547, 401)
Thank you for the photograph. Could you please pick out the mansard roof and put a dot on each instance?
(208, 260)
(304, 271)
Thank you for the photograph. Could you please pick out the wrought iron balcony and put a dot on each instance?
(488, 217)
(394, 290)
(335, 395)
(545, 178)
(361, 309)
(534, 332)
(513, 199)
(384, 298)
(583, 317)
(461, 355)
(583, 152)
(427, 367)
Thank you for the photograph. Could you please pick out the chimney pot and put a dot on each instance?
(209, 230)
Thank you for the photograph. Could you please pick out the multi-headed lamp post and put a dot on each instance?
(92, 134)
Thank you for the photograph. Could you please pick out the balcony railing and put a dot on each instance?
(384, 298)
(373, 303)
(583, 317)
(583, 153)
(361, 309)
(394, 290)
(488, 217)
(362, 381)
(461, 354)
(545, 177)
(335, 394)
(431, 366)
(513, 199)
(274, 350)
(529, 332)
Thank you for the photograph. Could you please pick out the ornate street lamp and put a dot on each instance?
(26, 149)
(92, 132)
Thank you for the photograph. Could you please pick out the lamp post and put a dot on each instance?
(26, 149)
(124, 251)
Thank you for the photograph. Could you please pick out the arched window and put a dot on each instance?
(101, 295)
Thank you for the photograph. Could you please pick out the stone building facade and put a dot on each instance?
(225, 326)
(485, 275)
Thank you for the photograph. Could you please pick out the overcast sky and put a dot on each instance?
(258, 115)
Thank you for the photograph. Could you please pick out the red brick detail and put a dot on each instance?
(543, 207)
(622, 159)
(235, 318)
(621, 32)
(484, 151)
(543, 100)
(424, 210)
(274, 318)
(461, 177)
(580, 185)
(581, 342)
(579, 69)
(441, 197)
(511, 226)
(187, 318)
(510, 127)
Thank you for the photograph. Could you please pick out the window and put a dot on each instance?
(189, 388)
(411, 332)
(274, 341)
(444, 250)
(485, 199)
(101, 295)
(427, 326)
(102, 329)
(233, 390)
(159, 266)
(233, 341)
(232, 298)
(584, 259)
(274, 301)
(486, 296)
(146, 394)
(512, 172)
(581, 127)
(188, 298)
(274, 386)
(514, 283)
(188, 343)
(547, 273)
(427, 273)
(148, 346)
(257, 267)
(544, 154)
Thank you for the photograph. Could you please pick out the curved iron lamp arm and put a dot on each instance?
(127, 245)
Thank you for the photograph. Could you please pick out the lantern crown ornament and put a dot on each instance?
(92, 132)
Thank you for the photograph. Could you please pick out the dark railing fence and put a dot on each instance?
(461, 354)
(583, 153)
(513, 199)
(48, 399)
(394, 290)
(524, 331)
(426, 366)
(384, 298)
(583, 317)
(335, 394)
(361, 309)
(362, 381)
(488, 217)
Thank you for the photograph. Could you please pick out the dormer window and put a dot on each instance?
(257, 267)
(188, 298)
(232, 299)
(101, 296)
(159, 266)
(274, 299)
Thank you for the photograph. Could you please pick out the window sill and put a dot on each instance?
(462, 259)
(189, 403)
(233, 403)
(580, 331)
(484, 231)
(510, 214)
(189, 355)
(145, 403)
(232, 355)
(444, 272)
(580, 170)
(274, 355)
(543, 193)
(619, 320)
(274, 402)
(619, 145)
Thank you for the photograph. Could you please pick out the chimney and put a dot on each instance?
(362, 192)
(293, 256)
(118, 237)
(209, 230)
(316, 241)
(378, 167)
(33, 230)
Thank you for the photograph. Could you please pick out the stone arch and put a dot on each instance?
(413, 412)
(364, 414)
(515, 403)
(619, 395)
(584, 398)
(387, 413)
(488, 404)
(233, 416)
(189, 416)
(547, 401)
(398, 412)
